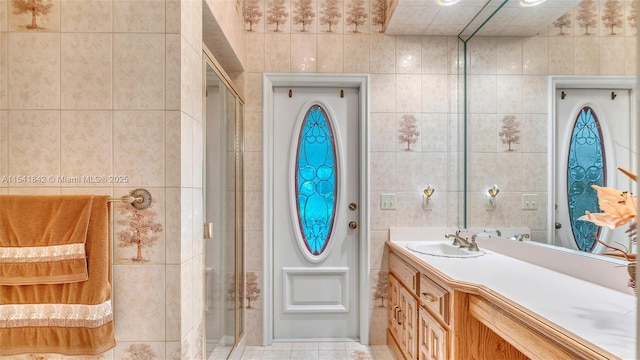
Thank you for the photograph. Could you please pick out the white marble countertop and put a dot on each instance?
(599, 315)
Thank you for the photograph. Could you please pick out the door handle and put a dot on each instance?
(558, 225)
(353, 225)
(208, 231)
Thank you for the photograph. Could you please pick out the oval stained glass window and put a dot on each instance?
(586, 167)
(315, 180)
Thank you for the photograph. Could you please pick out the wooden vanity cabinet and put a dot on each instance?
(416, 332)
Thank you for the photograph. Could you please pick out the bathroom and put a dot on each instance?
(115, 88)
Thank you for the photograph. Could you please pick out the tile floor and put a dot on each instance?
(317, 351)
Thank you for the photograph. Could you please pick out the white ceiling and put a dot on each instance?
(427, 17)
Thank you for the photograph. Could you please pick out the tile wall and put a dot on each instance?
(416, 76)
(509, 77)
(114, 88)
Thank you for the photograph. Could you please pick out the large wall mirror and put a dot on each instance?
(224, 212)
(543, 139)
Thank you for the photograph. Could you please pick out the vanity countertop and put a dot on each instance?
(597, 314)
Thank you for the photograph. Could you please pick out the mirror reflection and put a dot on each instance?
(523, 136)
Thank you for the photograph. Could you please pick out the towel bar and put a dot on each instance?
(139, 199)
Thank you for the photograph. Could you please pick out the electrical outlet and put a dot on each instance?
(529, 201)
(387, 201)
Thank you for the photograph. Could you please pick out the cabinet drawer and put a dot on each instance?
(403, 271)
(435, 298)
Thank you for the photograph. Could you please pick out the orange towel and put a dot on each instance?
(71, 318)
(42, 239)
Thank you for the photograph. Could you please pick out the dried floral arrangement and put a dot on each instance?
(618, 208)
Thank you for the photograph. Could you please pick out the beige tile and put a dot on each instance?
(139, 16)
(561, 55)
(409, 168)
(509, 55)
(198, 220)
(172, 16)
(353, 23)
(434, 132)
(383, 171)
(509, 96)
(434, 94)
(4, 19)
(483, 57)
(197, 304)
(34, 145)
(87, 16)
(434, 168)
(172, 228)
(383, 94)
(383, 54)
(253, 210)
(409, 209)
(4, 149)
(308, 25)
(187, 17)
(330, 53)
(198, 154)
(138, 77)
(86, 67)
(47, 20)
(139, 235)
(408, 93)
(253, 250)
(3, 70)
(482, 92)
(534, 133)
(254, 57)
(435, 55)
(612, 56)
(508, 171)
(172, 140)
(586, 57)
(252, 131)
(187, 320)
(86, 146)
(186, 150)
(631, 54)
(481, 175)
(34, 71)
(277, 57)
(254, 328)
(139, 300)
(139, 147)
(408, 54)
(536, 170)
(173, 350)
(379, 259)
(173, 72)
(535, 55)
(304, 52)
(186, 226)
(284, 24)
(253, 171)
(482, 136)
(532, 87)
(191, 81)
(356, 53)
(381, 125)
(137, 350)
(331, 355)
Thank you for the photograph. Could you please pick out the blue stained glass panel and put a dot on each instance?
(586, 167)
(316, 174)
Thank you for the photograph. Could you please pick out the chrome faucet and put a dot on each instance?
(457, 239)
(462, 242)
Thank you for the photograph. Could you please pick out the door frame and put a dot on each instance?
(578, 82)
(269, 82)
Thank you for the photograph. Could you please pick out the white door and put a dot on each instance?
(315, 199)
(604, 122)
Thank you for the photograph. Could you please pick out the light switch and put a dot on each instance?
(529, 201)
(387, 201)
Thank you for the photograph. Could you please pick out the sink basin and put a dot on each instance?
(442, 248)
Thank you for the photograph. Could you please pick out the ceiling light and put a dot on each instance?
(447, 2)
(527, 3)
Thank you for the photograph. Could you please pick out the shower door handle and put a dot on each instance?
(208, 231)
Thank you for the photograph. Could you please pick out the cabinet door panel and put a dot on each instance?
(433, 338)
